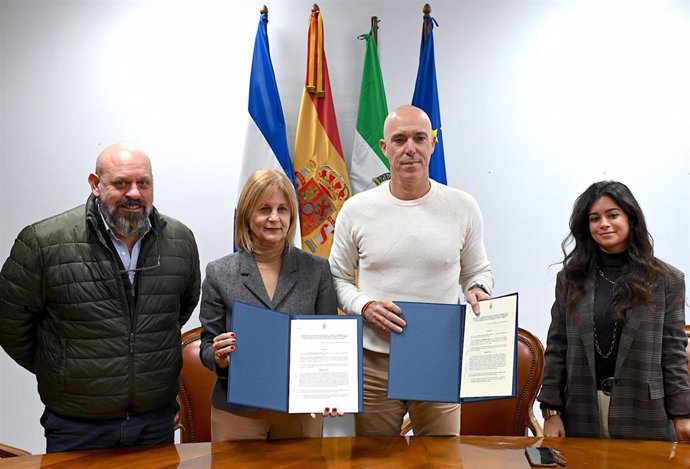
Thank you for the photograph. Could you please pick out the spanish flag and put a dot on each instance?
(322, 181)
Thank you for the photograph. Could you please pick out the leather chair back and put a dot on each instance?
(512, 416)
(194, 396)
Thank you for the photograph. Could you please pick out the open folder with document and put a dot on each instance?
(447, 354)
(295, 363)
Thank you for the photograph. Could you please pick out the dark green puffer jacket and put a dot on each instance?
(65, 314)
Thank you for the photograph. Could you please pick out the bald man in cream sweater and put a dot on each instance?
(410, 239)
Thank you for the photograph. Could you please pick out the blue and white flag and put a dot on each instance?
(265, 146)
(425, 96)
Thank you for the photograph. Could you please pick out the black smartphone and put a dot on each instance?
(540, 456)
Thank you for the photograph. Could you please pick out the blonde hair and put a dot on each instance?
(260, 186)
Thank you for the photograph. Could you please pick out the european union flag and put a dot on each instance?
(426, 96)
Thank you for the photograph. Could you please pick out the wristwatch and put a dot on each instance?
(548, 413)
(480, 286)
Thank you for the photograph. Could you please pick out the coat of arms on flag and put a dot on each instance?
(321, 194)
(322, 181)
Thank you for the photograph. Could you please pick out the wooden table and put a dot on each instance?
(361, 452)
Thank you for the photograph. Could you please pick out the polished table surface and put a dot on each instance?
(361, 452)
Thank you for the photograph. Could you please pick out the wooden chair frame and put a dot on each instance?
(7, 451)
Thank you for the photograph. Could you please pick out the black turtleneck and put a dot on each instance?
(613, 266)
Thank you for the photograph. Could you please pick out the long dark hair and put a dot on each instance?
(634, 287)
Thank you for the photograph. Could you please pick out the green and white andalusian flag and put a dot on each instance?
(369, 166)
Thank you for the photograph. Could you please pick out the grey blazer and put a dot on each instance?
(652, 365)
(304, 286)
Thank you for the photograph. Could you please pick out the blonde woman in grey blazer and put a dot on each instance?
(616, 364)
(267, 271)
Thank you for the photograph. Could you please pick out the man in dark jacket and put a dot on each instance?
(92, 301)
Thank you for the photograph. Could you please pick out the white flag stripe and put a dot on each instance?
(259, 155)
(368, 165)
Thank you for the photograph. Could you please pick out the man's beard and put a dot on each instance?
(127, 224)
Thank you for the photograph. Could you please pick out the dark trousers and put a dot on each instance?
(70, 434)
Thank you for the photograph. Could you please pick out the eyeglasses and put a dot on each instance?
(150, 267)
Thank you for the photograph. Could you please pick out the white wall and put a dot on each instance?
(539, 99)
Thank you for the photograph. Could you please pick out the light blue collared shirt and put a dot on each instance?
(129, 260)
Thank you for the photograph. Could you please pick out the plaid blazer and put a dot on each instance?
(651, 366)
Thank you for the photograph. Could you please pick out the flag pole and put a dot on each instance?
(426, 11)
(375, 29)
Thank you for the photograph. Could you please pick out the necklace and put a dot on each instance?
(601, 274)
(594, 323)
(596, 339)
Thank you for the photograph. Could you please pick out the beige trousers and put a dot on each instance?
(263, 425)
(383, 416)
(604, 402)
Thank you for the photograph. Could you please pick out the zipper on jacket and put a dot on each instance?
(134, 288)
(130, 311)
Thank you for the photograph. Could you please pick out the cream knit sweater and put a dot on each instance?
(407, 250)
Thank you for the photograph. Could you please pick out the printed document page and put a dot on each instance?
(324, 365)
(489, 349)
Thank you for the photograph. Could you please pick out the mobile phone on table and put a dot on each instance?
(540, 456)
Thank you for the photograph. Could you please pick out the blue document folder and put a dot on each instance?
(259, 371)
(426, 357)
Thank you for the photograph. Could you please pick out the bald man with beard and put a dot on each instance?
(92, 302)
